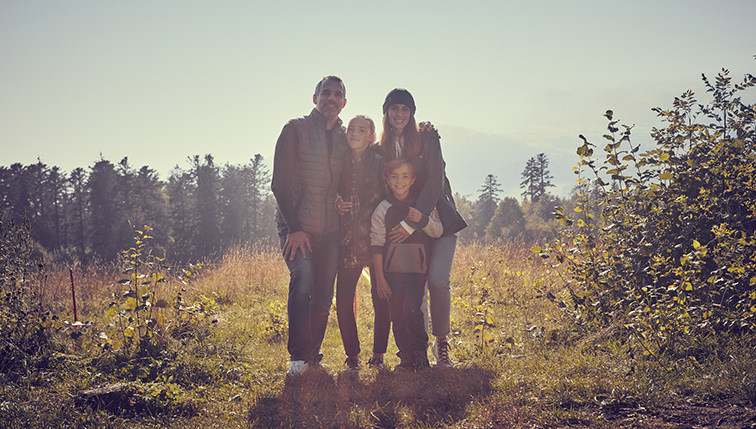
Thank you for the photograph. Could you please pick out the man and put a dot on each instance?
(306, 172)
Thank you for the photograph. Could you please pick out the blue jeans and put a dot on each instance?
(441, 256)
(310, 295)
(346, 285)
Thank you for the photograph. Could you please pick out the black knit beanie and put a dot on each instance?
(399, 96)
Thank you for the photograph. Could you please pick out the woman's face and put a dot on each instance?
(399, 115)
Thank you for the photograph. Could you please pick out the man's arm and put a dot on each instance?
(284, 168)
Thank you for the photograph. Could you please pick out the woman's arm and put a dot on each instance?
(434, 174)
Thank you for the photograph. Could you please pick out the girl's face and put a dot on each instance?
(400, 180)
(359, 135)
(399, 115)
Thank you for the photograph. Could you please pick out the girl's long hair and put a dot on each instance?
(413, 144)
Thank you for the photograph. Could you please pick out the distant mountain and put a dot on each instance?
(471, 156)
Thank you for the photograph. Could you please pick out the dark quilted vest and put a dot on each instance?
(318, 173)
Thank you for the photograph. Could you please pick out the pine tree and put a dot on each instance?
(536, 177)
(485, 207)
(507, 223)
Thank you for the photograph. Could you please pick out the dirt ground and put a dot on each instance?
(674, 416)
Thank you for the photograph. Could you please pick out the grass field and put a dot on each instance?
(222, 362)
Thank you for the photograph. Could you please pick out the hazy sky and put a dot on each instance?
(158, 81)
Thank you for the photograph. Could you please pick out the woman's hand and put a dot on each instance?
(415, 215)
(398, 234)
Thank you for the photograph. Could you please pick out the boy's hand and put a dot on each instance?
(415, 215)
(384, 291)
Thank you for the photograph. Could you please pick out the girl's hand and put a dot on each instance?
(384, 291)
(343, 207)
(415, 215)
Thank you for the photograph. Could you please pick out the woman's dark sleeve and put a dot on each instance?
(284, 168)
(435, 169)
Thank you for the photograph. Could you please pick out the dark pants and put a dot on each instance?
(407, 291)
(310, 295)
(346, 285)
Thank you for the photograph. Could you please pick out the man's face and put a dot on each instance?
(330, 100)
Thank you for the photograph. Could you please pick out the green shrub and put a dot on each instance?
(672, 254)
(24, 333)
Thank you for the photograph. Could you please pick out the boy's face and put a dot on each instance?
(400, 180)
(359, 135)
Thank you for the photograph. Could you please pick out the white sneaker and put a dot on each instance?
(296, 367)
(440, 350)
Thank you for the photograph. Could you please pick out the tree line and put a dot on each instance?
(90, 214)
(494, 220)
(205, 208)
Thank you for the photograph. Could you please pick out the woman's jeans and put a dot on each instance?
(310, 295)
(439, 269)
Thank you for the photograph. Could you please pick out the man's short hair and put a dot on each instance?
(327, 79)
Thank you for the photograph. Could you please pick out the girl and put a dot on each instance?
(401, 267)
(361, 189)
(401, 139)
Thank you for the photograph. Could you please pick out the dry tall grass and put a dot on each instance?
(520, 362)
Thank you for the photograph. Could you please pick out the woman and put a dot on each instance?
(401, 139)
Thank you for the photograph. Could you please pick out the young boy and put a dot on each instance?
(361, 189)
(402, 268)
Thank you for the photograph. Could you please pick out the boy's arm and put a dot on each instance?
(377, 240)
(434, 228)
(382, 286)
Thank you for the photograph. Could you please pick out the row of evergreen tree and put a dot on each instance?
(91, 214)
(204, 209)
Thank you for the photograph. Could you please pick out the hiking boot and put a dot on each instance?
(421, 360)
(407, 363)
(376, 363)
(440, 350)
(296, 367)
(352, 364)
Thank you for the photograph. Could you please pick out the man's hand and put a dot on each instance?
(383, 289)
(296, 241)
(398, 234)
(427, 127)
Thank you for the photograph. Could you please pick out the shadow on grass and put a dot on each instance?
(373, 399)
